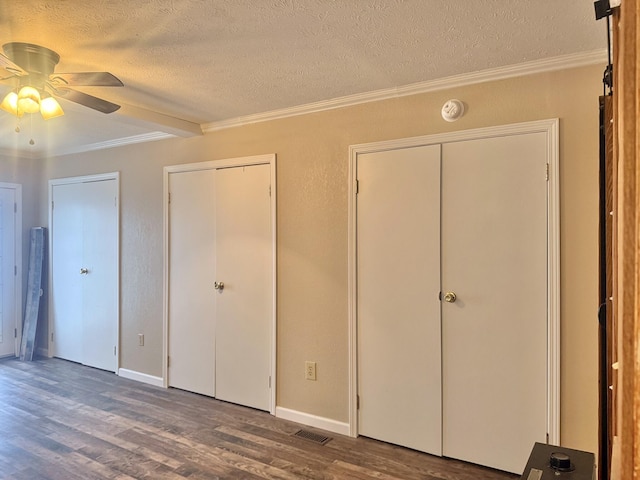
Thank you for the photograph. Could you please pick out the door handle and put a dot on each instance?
(83, 271)
(450, 297)
(218, 286)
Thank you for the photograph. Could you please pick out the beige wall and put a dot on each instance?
(312, 156)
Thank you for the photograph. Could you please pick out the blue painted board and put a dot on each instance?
(34, 292)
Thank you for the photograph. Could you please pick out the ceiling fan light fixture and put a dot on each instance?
(10, 104)
(33, 66)
(50, 108)
(28, 99)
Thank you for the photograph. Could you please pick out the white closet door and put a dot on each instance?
(398, 262)
(494, 258)
(245, 266)
(84, 272)
(66, 262)
(192, 267)
(8, 307)
(100, 259)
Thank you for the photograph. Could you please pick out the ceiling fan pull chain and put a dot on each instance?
(31, 142)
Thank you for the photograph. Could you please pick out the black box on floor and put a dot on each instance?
(548, 462)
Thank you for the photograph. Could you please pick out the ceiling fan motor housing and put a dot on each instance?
(32, 58)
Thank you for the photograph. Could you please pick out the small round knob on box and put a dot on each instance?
(561, 462)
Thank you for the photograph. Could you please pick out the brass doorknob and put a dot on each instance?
(218, 286)
(450, 297)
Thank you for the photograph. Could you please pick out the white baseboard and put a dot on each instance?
(141, 377)
(313, 420)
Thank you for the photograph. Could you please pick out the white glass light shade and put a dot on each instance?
(50, 108)
(28, 100)
(10, 104)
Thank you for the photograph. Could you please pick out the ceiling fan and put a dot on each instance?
(31, 69)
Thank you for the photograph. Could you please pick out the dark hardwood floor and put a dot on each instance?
(63, 421)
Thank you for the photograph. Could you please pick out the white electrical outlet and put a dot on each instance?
(310, 370)
(141, 339)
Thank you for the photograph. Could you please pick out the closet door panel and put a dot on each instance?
(67, 260)
(100, 258)
(494, 258)
(192, 269)
(245, 265)
(398, 264)
(8, 305)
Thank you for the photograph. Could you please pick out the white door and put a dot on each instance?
(8, 307)
(192, 267)
(219, 341)
(99, 284)
(84, 272)
(494, 258)
(476, 228)
(245, 267)
(399, 381)
(66, 262)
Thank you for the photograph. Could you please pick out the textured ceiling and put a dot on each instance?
(208, 61)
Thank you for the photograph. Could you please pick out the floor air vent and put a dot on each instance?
(313, 437)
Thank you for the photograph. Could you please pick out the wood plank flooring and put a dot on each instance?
(63, 421)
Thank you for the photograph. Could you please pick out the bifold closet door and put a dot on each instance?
(220, 283)
(398, 262)
(463, 376)
(494, 336)
(84, 271)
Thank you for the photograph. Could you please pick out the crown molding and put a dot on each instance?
(562, 62)
(187, 129)
(118, 142)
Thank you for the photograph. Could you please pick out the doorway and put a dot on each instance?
(453, 273)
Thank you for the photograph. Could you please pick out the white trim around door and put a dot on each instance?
(269, 159)
(550, 128)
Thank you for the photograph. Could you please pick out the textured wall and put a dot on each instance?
(312, 152)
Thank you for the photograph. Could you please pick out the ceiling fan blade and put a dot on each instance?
(85, 99)
(11, 67)
(2, 79)
(98, 79)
